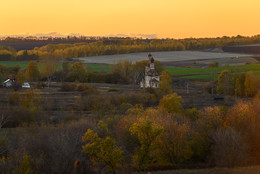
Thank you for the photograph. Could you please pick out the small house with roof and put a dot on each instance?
(8, 83)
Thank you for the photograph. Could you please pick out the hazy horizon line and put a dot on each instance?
(131, 35)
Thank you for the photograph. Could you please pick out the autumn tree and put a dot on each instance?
(139, 66)
(124, 68)
(20, 77)
(251, 84)
(49, 64)
(102, 150)
(244, 118)
(32, 71)
(239, 84)
(165, 82)
(147, 133)
(172, 103)
(174, 145)
(158, 66)
(26, 166)
(210, 118)
(78, 72)
(224, 82)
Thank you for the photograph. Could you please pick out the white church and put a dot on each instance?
(151, 78)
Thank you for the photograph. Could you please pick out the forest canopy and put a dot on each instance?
(121, 46)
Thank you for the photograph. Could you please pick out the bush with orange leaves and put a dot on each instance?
(208, 121)
(252, 84)
(245, 119)
(173, 146)
(172, 103)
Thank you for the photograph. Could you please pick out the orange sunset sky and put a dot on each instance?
(166, 18)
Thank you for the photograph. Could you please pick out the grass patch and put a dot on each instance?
(90, 67)
(257, 73)
(23, 64)
(113, 90)
(98, 68)
(173, 70)
(181, 71)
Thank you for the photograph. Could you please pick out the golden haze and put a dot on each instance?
(166, 18)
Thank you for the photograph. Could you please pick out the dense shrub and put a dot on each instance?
(113, 90)
(213, 64)
(172, 103)
(46, 149)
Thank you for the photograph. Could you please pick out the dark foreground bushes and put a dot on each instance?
(144, 136)
(46, 149)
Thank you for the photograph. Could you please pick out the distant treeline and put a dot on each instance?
(122, 46)
(29, 43)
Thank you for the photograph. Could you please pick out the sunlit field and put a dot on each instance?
(199, 73)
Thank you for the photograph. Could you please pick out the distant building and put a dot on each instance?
(13, 84)
(151, 78)
(8, 83)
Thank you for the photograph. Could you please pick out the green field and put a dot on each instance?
(173, 70)
(90, 67)
(23, 64)
(181, 71)
(98, 68)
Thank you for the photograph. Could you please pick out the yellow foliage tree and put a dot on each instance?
(147, 132)
(240, 85)
(165, 82)
(20, 77)
(172, 103)
(251, 84)
(79, 72)
(102, 150)
(210, 118)
(48, 65)
(26, 166)
(224, 82)
(32, 71)
(174, 145)
(124, 68)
